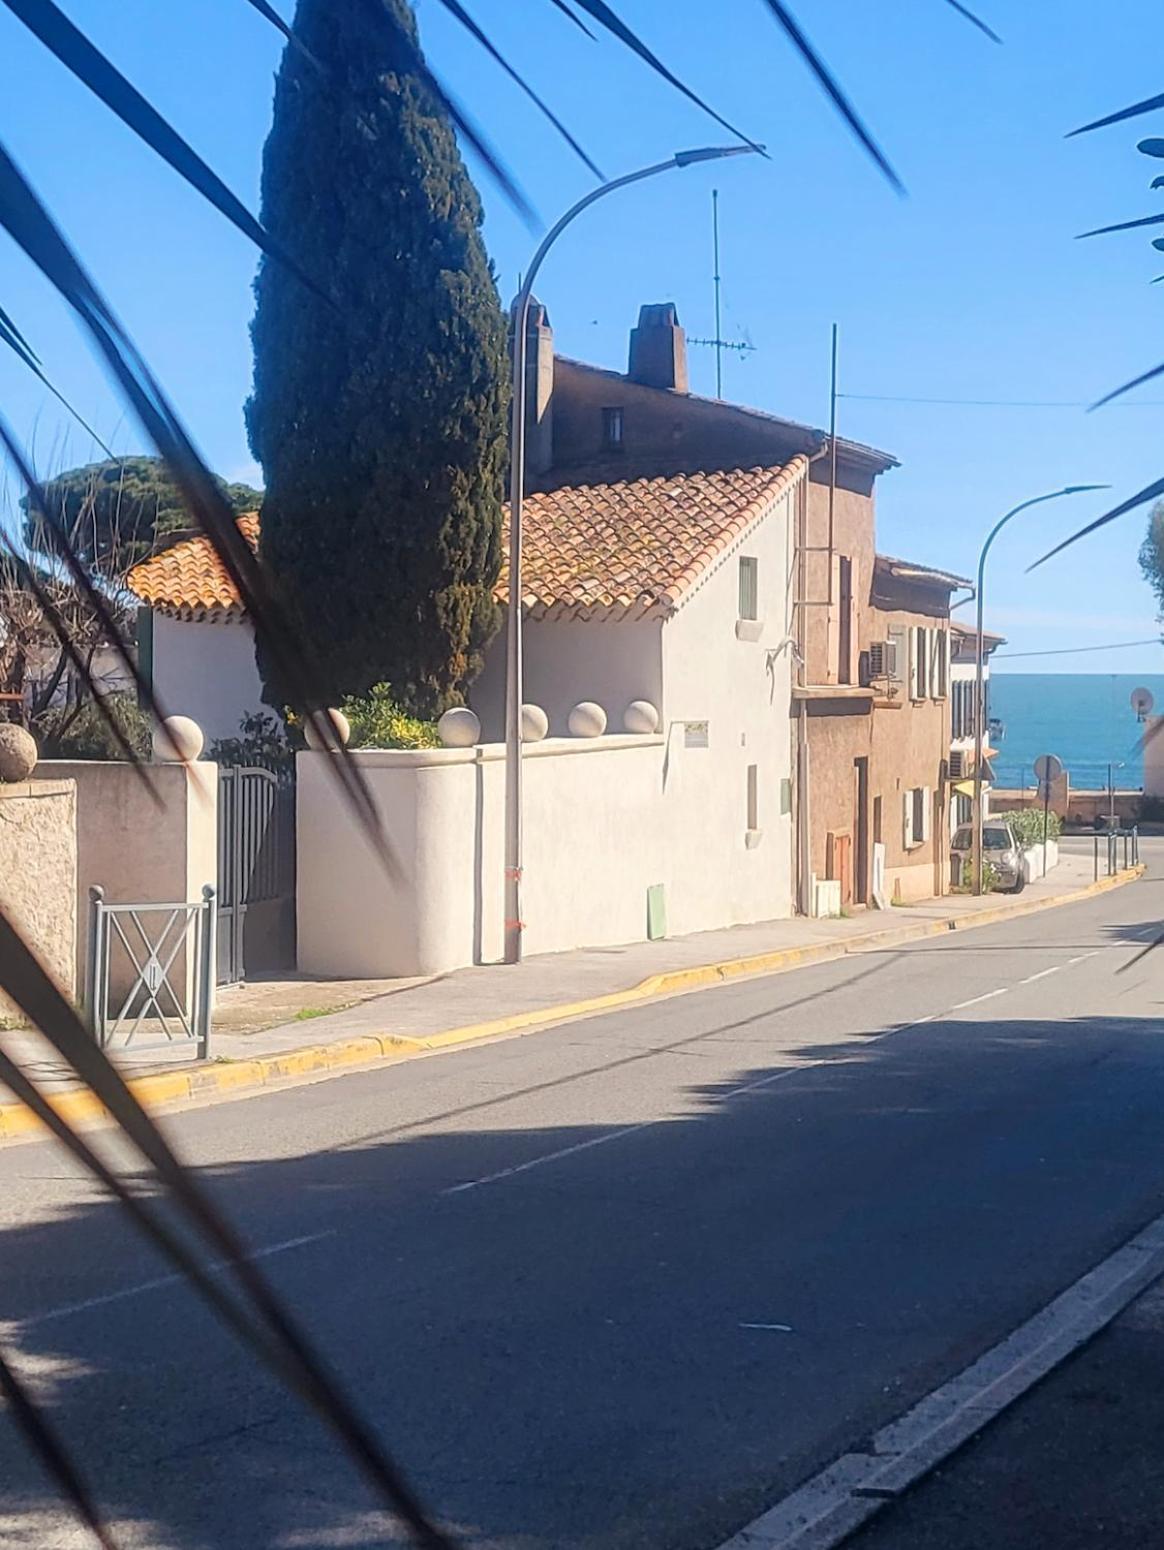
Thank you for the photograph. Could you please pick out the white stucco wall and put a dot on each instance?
(568, 660)
(593, 846)
(604, 819)
(208, 672)
(743, 689)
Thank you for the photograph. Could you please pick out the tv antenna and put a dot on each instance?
(719, 344)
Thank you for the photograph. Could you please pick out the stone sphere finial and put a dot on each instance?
(534, 723)
(18, 753)
(177, 739)
(587, 720)
(640, 717)
(320, 741)
(459, 728)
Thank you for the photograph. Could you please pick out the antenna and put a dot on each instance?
(719, 344)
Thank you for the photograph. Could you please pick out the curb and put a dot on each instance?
(169, 1088)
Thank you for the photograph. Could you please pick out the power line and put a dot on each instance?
(1073, 651)
(999, 403)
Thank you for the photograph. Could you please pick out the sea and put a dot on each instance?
(1085, 718)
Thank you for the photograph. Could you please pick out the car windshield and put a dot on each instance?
(994, 837)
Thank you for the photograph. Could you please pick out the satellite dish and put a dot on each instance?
(1142, 702)
(1048, 767)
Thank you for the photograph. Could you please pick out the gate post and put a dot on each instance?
(206, 971)
(96, 973)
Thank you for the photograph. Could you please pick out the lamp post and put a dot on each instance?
(979, 698)
(513, 652)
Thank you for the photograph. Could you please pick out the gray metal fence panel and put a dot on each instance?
(169, 950)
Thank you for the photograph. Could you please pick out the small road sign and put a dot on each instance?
(1048, 767)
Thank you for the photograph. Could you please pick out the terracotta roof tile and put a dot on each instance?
(188, 579)
(639, 545)
(625, 547)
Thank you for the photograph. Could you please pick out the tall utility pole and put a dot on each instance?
(832, 460)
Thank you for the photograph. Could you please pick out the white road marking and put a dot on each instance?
(548, 1157)
(920, 1023)
(784, 1328)
(613, 1135)
(732, 1092)
(827, 1508)
(974, 1000)
(161, 1282)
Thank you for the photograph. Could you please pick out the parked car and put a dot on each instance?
(999, 847)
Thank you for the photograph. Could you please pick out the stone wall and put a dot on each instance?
(142, 842)
(38, 875)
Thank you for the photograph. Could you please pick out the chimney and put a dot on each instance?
(658, 348)
(539, 387)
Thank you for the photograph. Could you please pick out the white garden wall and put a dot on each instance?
(600, 830)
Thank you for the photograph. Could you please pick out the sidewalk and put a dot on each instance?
(416, 1016)
(1078, 1462)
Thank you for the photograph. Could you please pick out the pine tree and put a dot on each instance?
(380, 420)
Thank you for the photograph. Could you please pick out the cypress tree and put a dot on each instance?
(379, 421)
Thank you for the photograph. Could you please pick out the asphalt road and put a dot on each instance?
(621, 1284)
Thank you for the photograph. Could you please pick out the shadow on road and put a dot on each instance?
(644, 1340)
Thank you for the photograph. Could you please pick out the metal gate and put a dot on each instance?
(256, 871)
(149, 979)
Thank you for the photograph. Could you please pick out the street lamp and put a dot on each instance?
(979, 705)
(513, 656)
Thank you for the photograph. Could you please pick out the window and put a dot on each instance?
(749, 587)
(916, 817)
(921, 663)
(846, 622)
(753, 798)
(612, 429)
(962, 709)
(899, 637)
(843, 627)
(919, 811)
(942, 664)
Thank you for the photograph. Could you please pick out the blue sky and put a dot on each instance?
(970, 288)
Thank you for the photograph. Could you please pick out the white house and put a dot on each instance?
(675, 591)
(195, 643)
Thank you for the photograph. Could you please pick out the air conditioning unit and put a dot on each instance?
(883, 660)
(957, 764)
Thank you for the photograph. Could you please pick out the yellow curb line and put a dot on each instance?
(167, 1088)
